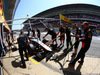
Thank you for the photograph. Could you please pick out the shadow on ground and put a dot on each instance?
(70, 70)
(17, 63)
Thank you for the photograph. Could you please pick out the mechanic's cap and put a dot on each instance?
(85, 23)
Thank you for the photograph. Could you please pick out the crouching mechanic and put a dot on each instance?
(86, 42)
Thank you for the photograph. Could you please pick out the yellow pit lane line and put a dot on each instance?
(34, 61)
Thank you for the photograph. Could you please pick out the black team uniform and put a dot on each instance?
(12, 36)
(62, 30)
(22, 43)
(86, 42)
(68, 37)
(78, 32)
(8, 41)
(52, 33)
(28, 33)
(38, 34)
(33, 33)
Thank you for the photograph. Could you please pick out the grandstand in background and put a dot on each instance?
(78, 13)
(75, 12)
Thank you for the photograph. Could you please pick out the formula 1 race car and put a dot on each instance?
(39, 48)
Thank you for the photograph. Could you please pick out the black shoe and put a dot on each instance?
(80, 62)
(73, 55)
(27, 59)
(64, 50)
(56, 44)
(71, 49)
(1, 64)
(71, 64)
(23, 66)
(55, 60)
